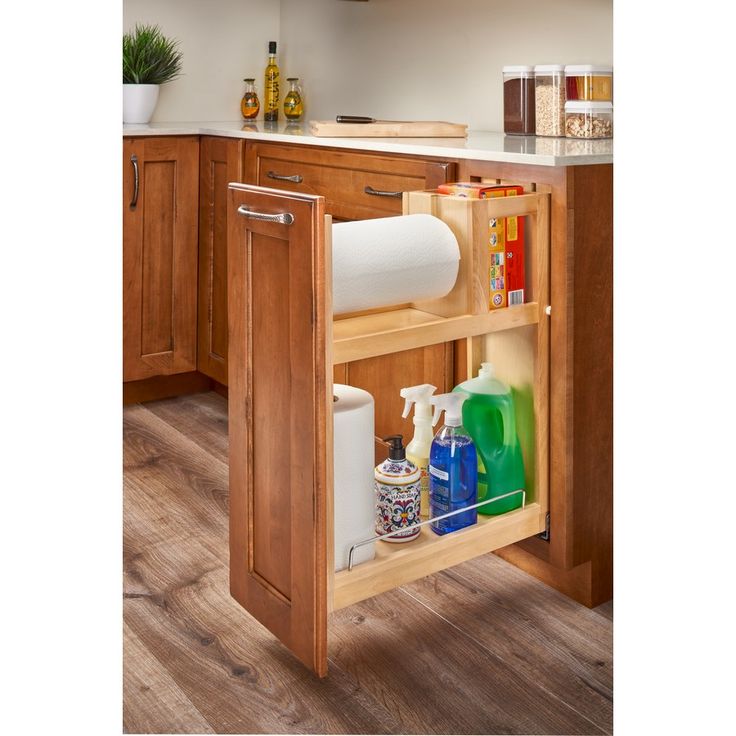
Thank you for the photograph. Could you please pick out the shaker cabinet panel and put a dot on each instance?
(279, 402)
(159, 256)
(221, 162)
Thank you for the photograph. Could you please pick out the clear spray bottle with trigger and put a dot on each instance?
(453, 466)
(418, 449)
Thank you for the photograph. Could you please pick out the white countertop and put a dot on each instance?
(479, 145)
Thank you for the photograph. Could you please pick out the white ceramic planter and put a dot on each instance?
(139, 102)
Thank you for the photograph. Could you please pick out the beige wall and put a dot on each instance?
(222, 41)
(431, 59)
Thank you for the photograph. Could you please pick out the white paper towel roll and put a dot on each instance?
(391, 260)
(355, 514)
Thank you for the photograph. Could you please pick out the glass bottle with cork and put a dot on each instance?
(250, 105)
(294, 100)
(271, 87)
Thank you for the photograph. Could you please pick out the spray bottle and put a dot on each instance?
(453, 466)
(417, 451)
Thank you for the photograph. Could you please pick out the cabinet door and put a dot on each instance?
(160, 186)
(220, 162)
(280, 415)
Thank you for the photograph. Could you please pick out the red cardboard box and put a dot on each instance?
(505, 242)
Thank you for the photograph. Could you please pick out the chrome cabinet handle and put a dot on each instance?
(134, 201)
(280, 177)
(285, 218)
(378, 193)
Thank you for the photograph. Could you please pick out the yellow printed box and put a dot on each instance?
(505, 242)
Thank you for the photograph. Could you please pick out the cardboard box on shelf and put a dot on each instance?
(505, 242)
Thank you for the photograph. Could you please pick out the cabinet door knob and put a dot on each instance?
(285, 218)
(281, 177)
(134, 201)
(378, 193)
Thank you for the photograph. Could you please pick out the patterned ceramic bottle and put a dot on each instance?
(398, 493)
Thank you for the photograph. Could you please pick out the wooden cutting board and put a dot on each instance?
(407, 129)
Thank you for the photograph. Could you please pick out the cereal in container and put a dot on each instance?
(549, 95)
(584, 119)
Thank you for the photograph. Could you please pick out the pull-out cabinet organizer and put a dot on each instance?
(283, 343)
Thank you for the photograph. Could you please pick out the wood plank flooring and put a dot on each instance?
(480, 648)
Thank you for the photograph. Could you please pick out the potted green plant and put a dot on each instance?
(149, 60)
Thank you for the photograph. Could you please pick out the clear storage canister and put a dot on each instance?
(589, 82)
(518, 100)
(588, 119)
(549, 95)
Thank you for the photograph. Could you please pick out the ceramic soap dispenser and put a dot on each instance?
(398, 492)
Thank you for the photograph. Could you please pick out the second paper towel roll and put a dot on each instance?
(354, 499)
(391, 260)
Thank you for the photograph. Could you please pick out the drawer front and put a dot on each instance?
(355, 186)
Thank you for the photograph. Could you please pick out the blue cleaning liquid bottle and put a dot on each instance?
(453, 467)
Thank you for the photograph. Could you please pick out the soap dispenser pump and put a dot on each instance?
(397, 494)
(418, 449)
(453, 466)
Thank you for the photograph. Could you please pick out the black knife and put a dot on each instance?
(361, 119)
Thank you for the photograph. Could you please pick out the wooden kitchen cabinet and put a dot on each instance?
(220, 162)
(160, 203)
(283, 344)
(162, 344)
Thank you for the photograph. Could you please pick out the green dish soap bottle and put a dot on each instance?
(489, 417)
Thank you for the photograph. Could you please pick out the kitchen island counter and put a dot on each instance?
(478, 146)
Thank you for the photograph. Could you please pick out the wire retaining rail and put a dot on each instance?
(363, 542)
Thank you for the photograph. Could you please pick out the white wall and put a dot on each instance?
(432, 59)
(409, 59)
(222, 42)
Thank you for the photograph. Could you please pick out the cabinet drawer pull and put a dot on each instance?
(134, 201)
(280, 177)
(285, 218)
(378, 193)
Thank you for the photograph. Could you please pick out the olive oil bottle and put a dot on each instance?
(294, 101)
(249, 105)
(271, 87)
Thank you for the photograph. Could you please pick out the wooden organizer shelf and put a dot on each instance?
(284, 344)
(370, 335)
(464, 312)
(398, 564)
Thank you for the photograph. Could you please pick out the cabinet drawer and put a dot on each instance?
(355, 186)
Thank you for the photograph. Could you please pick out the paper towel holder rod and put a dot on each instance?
(435, 518)
(285, 218)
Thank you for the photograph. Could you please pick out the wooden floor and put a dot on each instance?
(480, 648)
